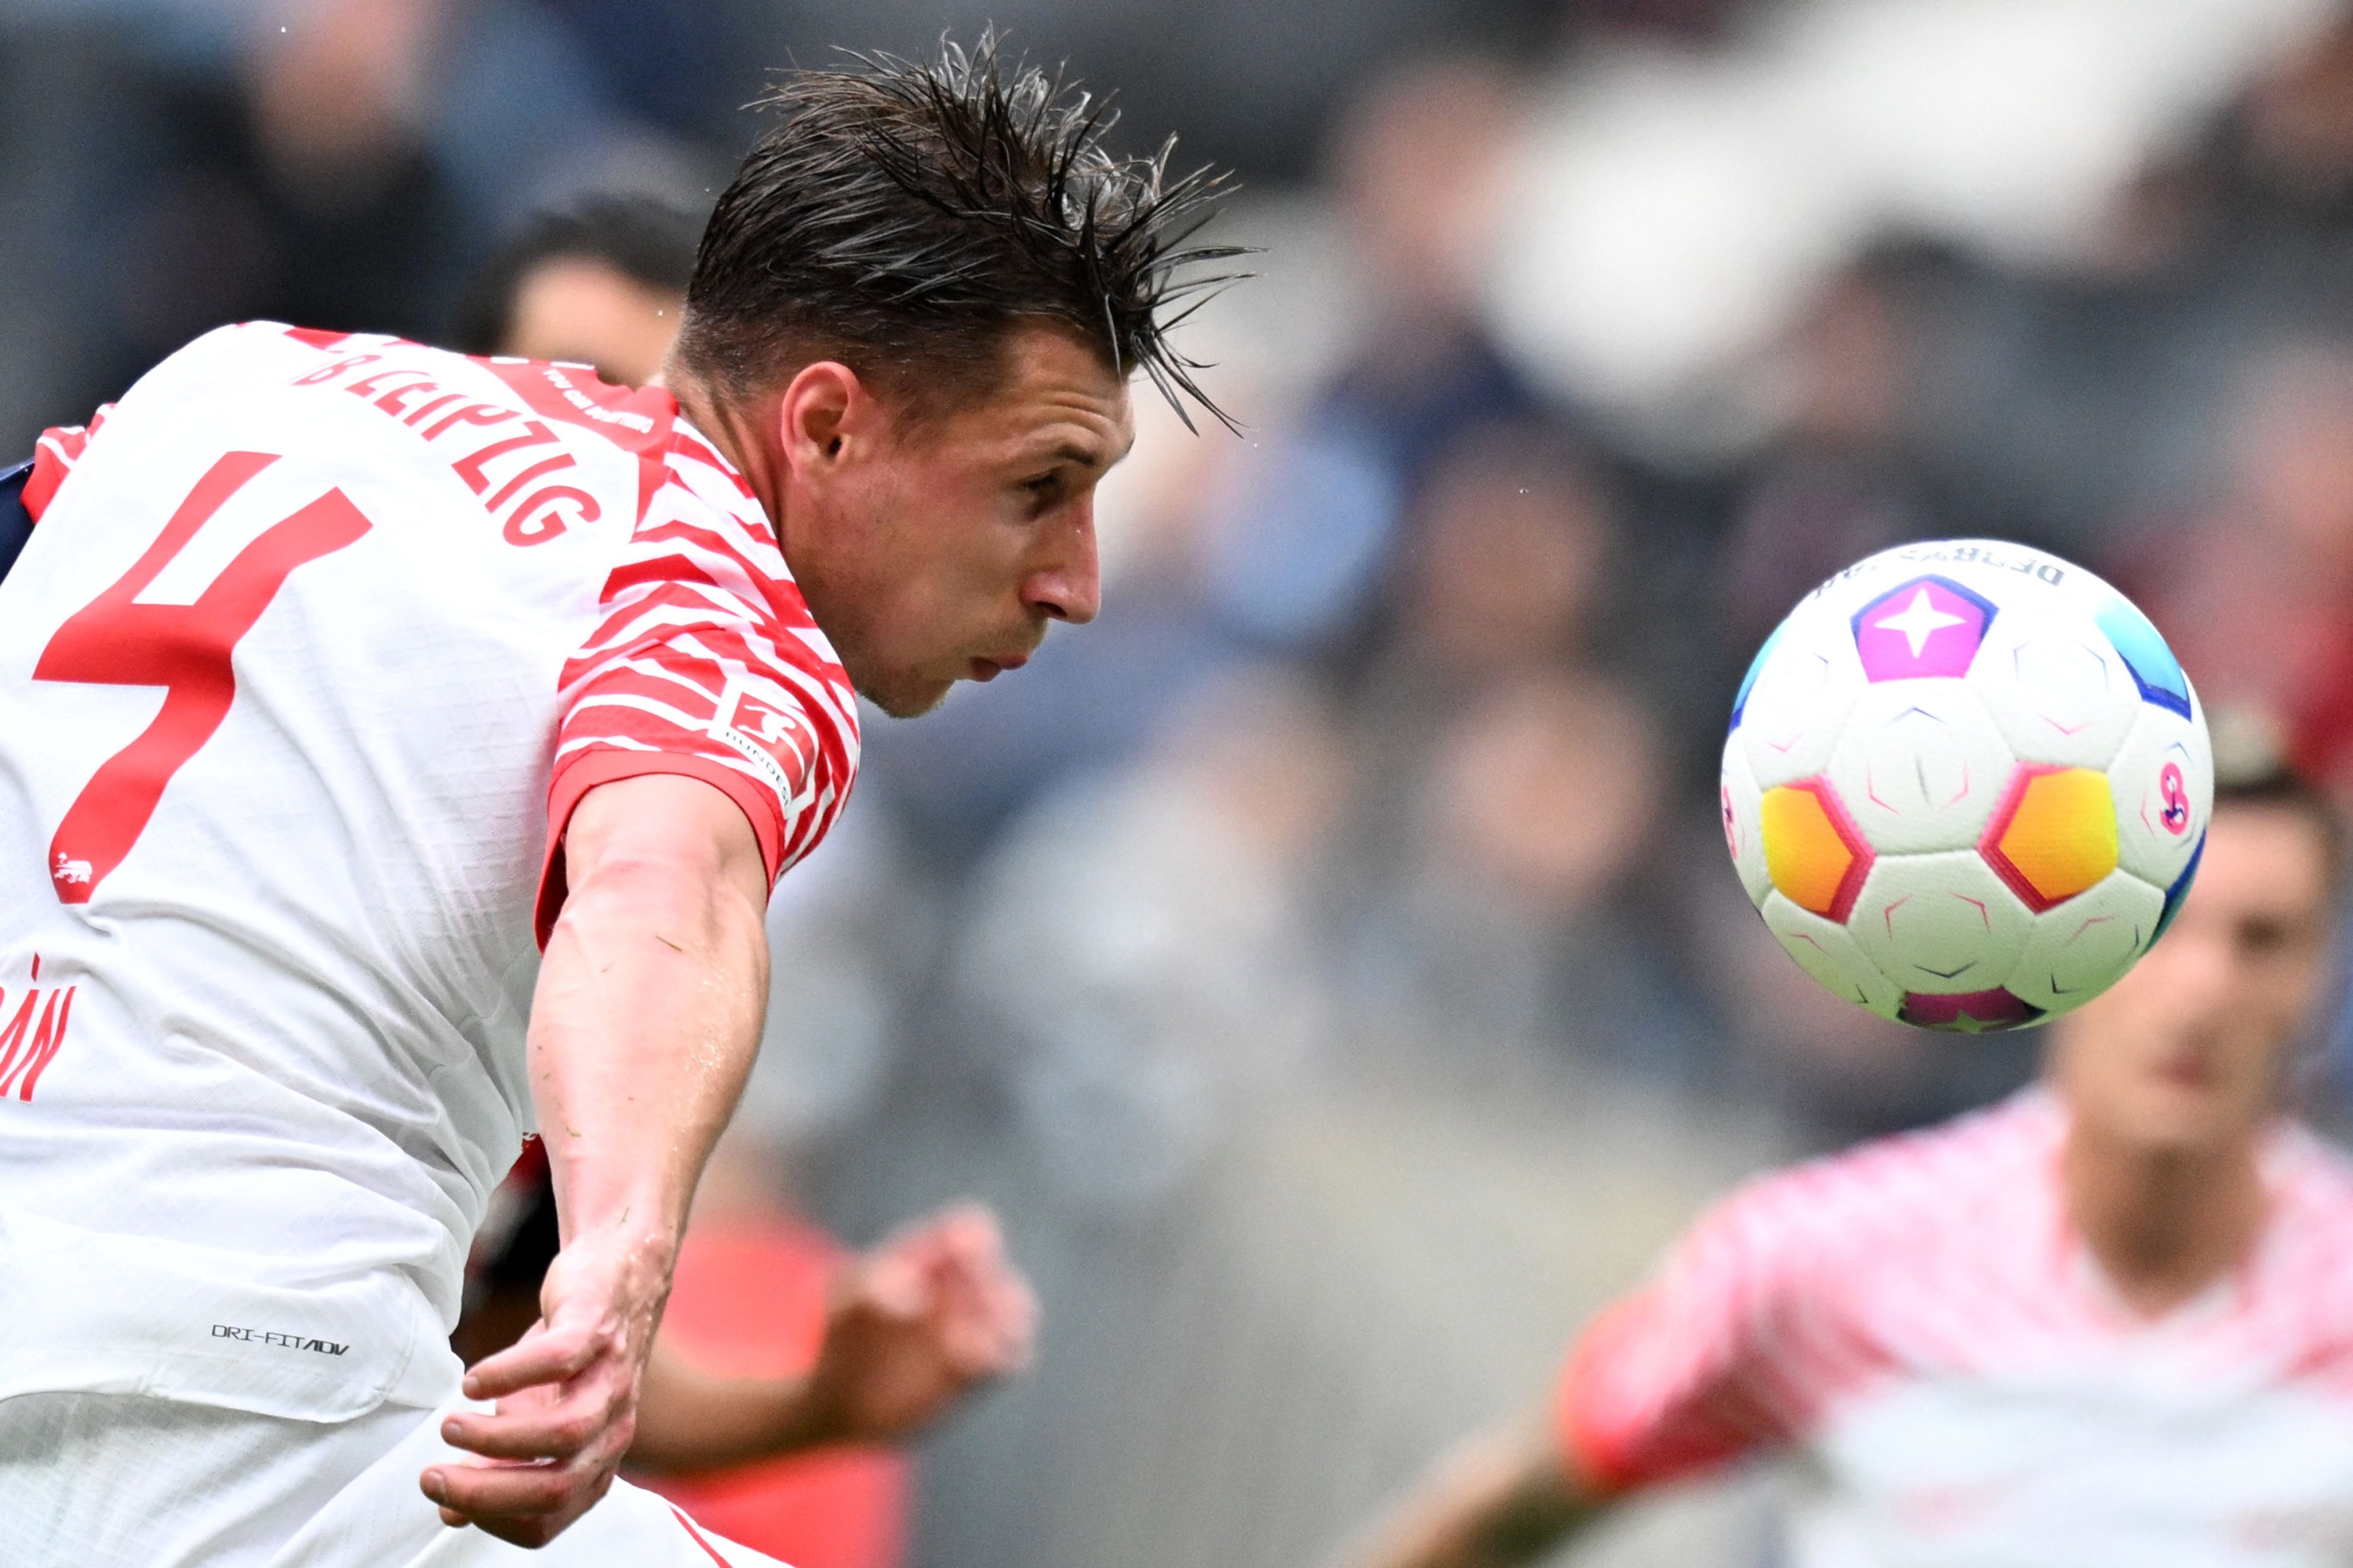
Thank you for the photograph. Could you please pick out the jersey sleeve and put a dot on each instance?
(1694, 1368)
(705, 663)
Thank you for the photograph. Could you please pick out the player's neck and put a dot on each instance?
(734, 429)
(2164, 1224)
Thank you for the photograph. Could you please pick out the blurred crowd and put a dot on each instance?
(1326, 962)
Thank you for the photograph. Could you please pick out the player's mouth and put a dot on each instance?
(989, 668)
(2194, 1074)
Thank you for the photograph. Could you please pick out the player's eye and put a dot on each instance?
(1043, 491)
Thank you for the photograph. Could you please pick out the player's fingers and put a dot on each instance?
(1010, 1311)
(951, 1232)
(973, 1349)
(980, 1327)
(554, 1355)
(496, 1495)
(556, 1432)
(968, 1232)
(480, 1493)
(988, 1288)
(531, 1534)
(895, 1283)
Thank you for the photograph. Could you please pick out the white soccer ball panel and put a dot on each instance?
(2079, 948)
(1942, 924)
(1804, 691)
(2007, 573)
(1742, 803)
(2163, 779)
(1826, 950)
(2059, 691)
(1920, 765)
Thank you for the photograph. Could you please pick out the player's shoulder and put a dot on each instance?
(2313, 1177)
(1910, 1187)
(265, 346)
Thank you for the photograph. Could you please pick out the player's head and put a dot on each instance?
(2193, 1048)
(922, 299)
(602, 284)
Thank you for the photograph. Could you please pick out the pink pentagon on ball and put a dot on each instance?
(1968, 1012)
(1927, 626)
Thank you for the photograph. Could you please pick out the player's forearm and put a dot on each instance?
(648, 1007)
(1500, 1500)
(689, 1419)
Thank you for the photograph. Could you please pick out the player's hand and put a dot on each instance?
(917, 1323)
(566, 1395)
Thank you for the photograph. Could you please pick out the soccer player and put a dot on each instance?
(396, 752)
(2108, 1321)
(829, 1349)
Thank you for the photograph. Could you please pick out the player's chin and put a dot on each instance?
(2173, 1118)
(906, 693)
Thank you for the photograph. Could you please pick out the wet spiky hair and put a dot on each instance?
(902, 215)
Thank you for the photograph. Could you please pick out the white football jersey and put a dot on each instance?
(316, 643)
(1917, 1320)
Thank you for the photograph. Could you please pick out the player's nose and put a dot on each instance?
(1067, 583)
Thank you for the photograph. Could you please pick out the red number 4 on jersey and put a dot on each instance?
(183, 648)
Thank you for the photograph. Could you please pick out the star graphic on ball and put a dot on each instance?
(1931, 626)
(1919, 621)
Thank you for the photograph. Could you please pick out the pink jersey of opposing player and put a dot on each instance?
(316, 644)
(1917, 1320)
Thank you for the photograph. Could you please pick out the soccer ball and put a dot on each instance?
(1966, 785)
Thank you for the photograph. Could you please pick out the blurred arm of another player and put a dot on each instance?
(914, 1327)
(1499, 1499)
(643, 1028)
(1687, 1372)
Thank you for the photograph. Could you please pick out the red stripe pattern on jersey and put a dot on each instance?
(54, 456)
(1939, 1255)
(706, 662)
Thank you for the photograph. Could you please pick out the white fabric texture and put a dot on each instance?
(285, 673)
(124, 1481)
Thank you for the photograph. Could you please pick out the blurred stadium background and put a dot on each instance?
(1327, 963)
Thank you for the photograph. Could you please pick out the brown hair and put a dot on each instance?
(902, 217)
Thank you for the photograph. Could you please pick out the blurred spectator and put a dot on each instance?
(299, 184)
(333, 163)
(1307, 539)
(2296, 127)
(2256, 593)
(1143, 945)
(1841, 480)
(1512, 926)
(1510, 543)
(1512, 538)
(601, 283)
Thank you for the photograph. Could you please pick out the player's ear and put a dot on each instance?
(817, 416)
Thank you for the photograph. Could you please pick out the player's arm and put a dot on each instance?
(1662, 1384)
(643, 1027)
(914, 1327)
(1502, 1498)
